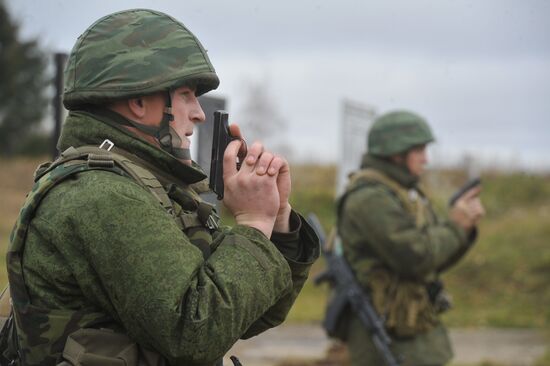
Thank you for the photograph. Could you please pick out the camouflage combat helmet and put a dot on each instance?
(133, 53)
(397, 132)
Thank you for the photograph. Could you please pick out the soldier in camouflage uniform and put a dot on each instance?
(396, 245)
(115, 259)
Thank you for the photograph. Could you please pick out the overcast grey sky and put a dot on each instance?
(478, 70)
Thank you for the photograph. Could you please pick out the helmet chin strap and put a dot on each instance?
(167, 137)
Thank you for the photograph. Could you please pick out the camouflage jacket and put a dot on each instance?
(102, 246)
(396, 247)
(375, 226)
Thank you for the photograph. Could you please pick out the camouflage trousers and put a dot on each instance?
(428, 349)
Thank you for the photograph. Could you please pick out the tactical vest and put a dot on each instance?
(405, 304)
(413, 200)
(37, 336)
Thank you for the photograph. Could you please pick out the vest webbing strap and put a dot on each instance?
(133, 166)
(189, 199)
(413, 206)
(99, 158)
(379, 177)
(145, 178)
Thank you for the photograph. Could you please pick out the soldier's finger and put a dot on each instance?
(254, 153)
(230, 158)
(472, 193)
(278, 164)
(478, 207)
(264, 162)
(235, 131)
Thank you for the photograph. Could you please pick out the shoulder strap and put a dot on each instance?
(364, 177)
(197, 212)
(373, 175)
(160, 184)
(98, 157)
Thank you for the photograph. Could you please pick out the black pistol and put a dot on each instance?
(220, 139)
(465, 188)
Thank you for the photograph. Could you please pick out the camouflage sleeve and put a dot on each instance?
(157, 283)
(374, 223)
(471, 238)
(300, 247)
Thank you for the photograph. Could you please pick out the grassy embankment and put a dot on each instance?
(502, 282)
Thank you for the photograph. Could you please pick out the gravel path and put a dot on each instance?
(513, 347)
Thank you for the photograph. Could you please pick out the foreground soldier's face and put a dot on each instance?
(185, 108)
(187, 112)
(416, 160)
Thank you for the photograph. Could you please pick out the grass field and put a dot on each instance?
(503, 281)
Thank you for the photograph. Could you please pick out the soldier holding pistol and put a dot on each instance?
(397, 247)
(115, 256)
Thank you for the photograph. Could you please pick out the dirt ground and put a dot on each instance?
(335, 355)
(307, 345)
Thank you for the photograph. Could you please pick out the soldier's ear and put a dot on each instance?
(398, 159)
(136, 106)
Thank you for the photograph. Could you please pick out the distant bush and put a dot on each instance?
(35, 144)
(505, 192)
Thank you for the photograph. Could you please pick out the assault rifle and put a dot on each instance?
(465, 188)
(348, 291)
(220, 139)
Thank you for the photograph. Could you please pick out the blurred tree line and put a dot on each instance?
(23, 91)
(260, 118)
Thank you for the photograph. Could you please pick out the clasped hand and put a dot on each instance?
(257, 194)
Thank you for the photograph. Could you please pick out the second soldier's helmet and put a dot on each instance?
(397, 132)
(134, 53)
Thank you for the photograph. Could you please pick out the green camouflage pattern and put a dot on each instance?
(134, 53)
(397, 132)
(378, 230)
(39, 329)
(42, 331)
(99, 243)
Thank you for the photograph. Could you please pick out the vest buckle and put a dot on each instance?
(213, 221)
(107, 145)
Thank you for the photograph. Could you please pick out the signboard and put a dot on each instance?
(356, 121)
